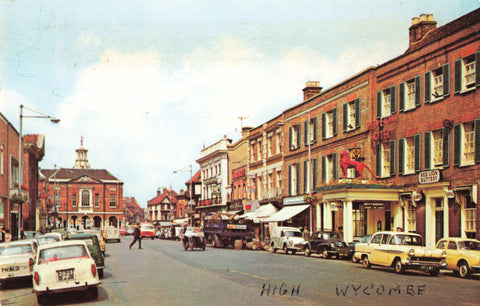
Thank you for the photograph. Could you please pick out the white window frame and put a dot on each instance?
(409, 167)
(410, 94)
(468, 72)
(467, 146)
(385, 151)
(329, 124)
(437, 149)
(437, 85)
(386, 103)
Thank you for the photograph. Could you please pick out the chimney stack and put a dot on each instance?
(311, 89)
(420, 27)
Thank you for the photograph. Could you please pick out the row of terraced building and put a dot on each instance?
(407, 133)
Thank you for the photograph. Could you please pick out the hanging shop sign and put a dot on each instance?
(428, 177)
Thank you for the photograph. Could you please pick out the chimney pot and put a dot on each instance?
(415, 20)
(311, 89)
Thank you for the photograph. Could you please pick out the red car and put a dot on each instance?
(147, 231)
(123, 231)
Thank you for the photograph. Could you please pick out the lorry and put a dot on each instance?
(222, 233)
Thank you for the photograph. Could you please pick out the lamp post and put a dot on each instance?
(190, 221)
(20, 150)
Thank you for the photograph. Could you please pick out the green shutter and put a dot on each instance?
(446, 147)
(393, 99)
(334, 119)
(357, 113)
(428, 150)
(299, 133)
(306, 132)
(324, 169)
(379, 105)
(314, 174)
(456, 144)
(458, 76)
(477, 69)
(378, 159)
(290, 137)
(417, 141)
(298, 178)
(290, 187)
(477, 140)
(401, 156)
(401, 98)
(345, 114)
(446, 80)
(335, 166)
(418, 91)
(392, 158)
(315, 129)
(324, 125)
(428, 92)
(305, 175)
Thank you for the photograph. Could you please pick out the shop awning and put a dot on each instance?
(262, 212)
(180, 221)
(286, 213)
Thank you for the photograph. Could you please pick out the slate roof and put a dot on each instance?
(170, 194)
(449, 29)
(70, 174)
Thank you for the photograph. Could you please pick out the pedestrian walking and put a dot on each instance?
(306, 234)
(136, 236)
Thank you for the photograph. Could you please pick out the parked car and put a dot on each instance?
(130, 229)
(327, 243)
(30, 234)
(94, 249)
(401, 251)
(16, 259)
(463, 255)
(351, 245)
(123, 231)
(49, 237)
(99, 236)
(64, 266)
(147, 231)
(287, 239)
(111, 233)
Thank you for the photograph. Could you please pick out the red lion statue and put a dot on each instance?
(346, 162)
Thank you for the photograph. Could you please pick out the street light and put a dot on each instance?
(20, 149)
(190, 221)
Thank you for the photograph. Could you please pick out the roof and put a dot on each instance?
(170, 194)
(195, 178)
(446, 30)
(71, 173)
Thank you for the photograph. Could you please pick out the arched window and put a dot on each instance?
(85, 198)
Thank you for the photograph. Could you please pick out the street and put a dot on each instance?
(162, 273)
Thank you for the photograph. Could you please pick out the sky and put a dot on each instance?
(149, 84)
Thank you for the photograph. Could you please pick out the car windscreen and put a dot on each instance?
(47, 239)
(406, 240)
(293, 234)
(15, 249)
(62, 252)
(147, 227)
(469, 245)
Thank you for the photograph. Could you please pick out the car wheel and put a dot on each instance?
(285, 249)
(100, 273)
(398, 266)
(325, 254)
(92, 293)
(42, 299)
(434, 271)
(294, 252)
(366, 263)
(273, 247)
(463, 270)
(307, 251)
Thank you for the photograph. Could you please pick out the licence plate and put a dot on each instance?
(67, 274)
(11, 269)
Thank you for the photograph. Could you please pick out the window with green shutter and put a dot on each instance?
(401, 156)
(314, 174)
(378, 161)
(477, 140)
(428, 150)
(417, 140)
(392, 158)
(446, 147)
(457, 141)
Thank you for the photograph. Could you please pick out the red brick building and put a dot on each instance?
(80, 197)
(432, 146)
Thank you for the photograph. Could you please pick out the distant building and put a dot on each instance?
(81, 197)
(132, 211)
(163, 207)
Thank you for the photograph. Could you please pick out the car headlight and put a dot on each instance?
(411, 253)
(444, 254)
(332, 245)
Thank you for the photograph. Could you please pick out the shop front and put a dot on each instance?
(360, 209)
(295, 213)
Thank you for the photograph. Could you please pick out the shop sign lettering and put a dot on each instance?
(377, 135)
(428, 177)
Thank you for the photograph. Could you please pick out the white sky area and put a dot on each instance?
(148, 84)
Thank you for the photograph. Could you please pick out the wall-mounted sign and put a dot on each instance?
(293, 200)
(417, 196)
(430, 176)
(333, 207)
(450, 194)
(374, 205)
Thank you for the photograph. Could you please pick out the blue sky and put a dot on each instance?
(149, 83)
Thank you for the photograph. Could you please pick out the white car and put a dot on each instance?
(64, 266)
(287, 239)
(49, 237)
(16, 259)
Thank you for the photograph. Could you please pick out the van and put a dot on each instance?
(287, 239)
(147, 231)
